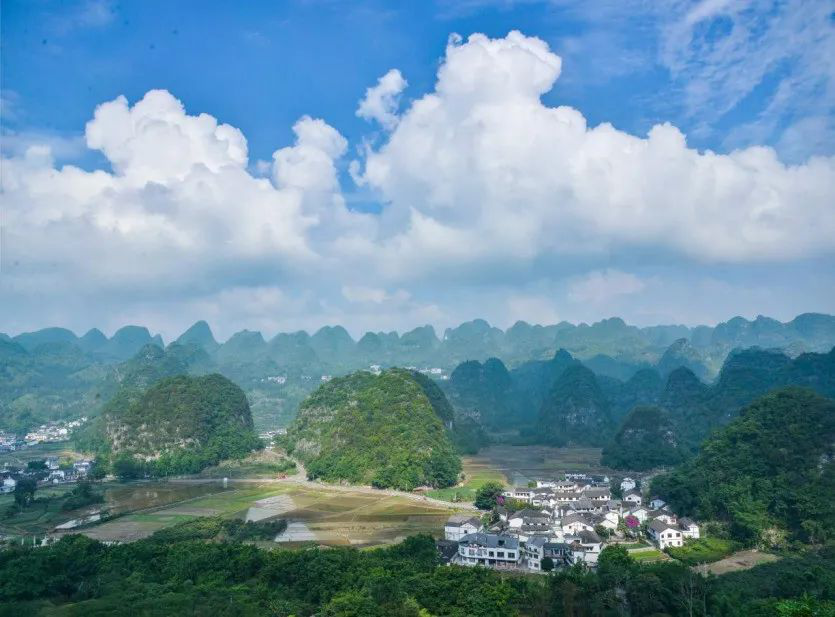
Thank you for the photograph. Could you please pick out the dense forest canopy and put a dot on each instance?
(768, 473)
(180, 571)
(645, 440)
(378, 429)
(179, 424)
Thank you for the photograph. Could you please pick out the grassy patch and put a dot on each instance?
(475, 478)
(647, 556)
(703, 550)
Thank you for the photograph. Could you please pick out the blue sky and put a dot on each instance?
(729, 76)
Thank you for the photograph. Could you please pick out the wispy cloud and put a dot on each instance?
(725, 53)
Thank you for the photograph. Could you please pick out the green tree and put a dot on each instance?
(547, 564)
(126, 467)
(24, 491)
(485, 496)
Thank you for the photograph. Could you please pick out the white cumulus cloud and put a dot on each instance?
(480, 169)
(381, 101)
(492, 202)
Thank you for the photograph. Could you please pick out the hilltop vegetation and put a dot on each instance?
(575, 410)
(180, 424)
(768, 473)
(376, 429)
(645, 440)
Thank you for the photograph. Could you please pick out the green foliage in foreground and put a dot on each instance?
(377, 429)
(169, 575)
(769, 472)
(703, 550)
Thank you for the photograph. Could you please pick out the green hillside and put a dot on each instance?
(182, 424)
(645, 440)
(769, 472)
(378, 429)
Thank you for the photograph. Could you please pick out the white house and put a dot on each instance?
(528, 516)
(598, 494)
(639, 512)
(586, 547)
(535, 552)
(522, 493)
(459, 526)
(8, 486)
(662, 515)
(689, 528)
(664, 534)
(627, 484)
(634, 497)
(608, 520)
(575, 523)
(489, 549)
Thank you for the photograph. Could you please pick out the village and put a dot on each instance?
(558, 523)
(51, 432)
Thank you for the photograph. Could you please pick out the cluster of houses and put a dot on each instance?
(54, 473)
(52, 432)
(568, 521)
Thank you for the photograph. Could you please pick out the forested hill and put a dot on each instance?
(770, 473)
(377, 429)
(181, 423)
(564, 401)
(646, 439)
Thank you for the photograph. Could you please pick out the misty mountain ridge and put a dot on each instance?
(52, 373)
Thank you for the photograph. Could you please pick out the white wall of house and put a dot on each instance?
(456, 532)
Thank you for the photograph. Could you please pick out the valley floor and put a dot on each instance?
(329, 514)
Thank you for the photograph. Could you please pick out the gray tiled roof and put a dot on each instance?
(490, 540)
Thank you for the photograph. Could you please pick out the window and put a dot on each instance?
(511, 555)
(500, 554)
(491, 554)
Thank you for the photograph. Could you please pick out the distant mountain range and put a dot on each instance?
(53, 373)
(562, 400)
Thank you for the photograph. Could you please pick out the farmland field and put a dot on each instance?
(39, 452)
(322, 515)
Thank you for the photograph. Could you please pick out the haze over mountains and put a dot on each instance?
(53, 373)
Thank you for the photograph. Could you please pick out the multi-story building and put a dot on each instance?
(489, 549)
